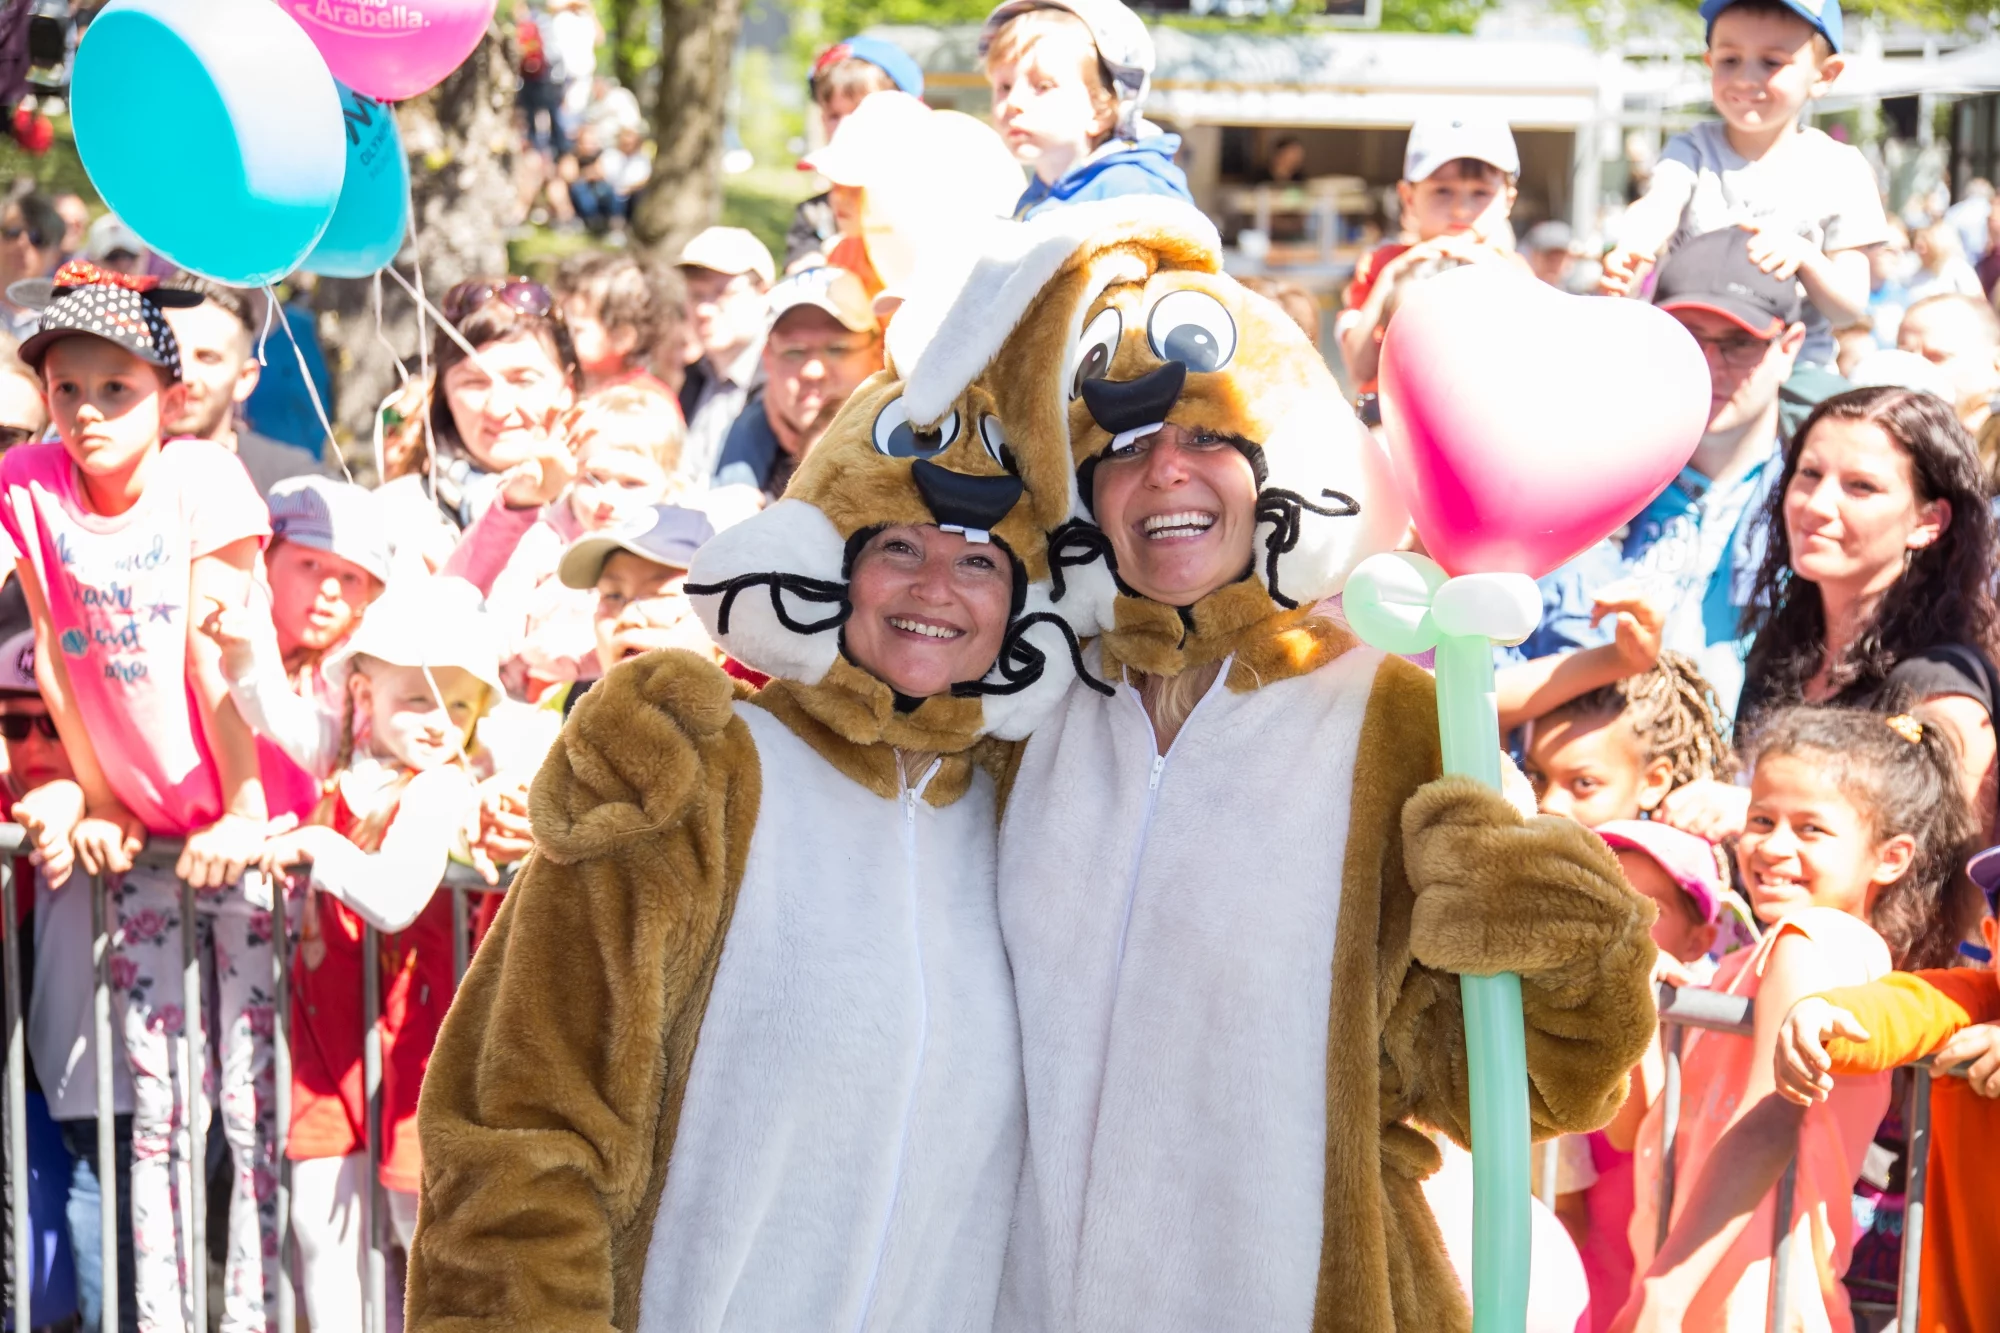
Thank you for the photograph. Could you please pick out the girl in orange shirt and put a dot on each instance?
(1952, 1016)
(1848, 849)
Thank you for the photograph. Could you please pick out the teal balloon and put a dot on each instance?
(374, 210)
(213, 128)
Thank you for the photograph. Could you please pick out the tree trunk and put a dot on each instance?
(461, 141)
(697, 40)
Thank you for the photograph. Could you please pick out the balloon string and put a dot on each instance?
(305, 373)
(265, 335)
(446, 326)
(402, 377)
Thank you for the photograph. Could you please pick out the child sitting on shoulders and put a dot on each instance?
(417, 677)
(1811, 202)
(1951, 1015)
(1615, 752)
(626, 449)
(1069, 81)
(121, 545)
(1851, 843)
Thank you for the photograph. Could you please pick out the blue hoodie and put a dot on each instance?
(1121, 166)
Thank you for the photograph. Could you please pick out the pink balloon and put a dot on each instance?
(392, 49)
(1525, 425)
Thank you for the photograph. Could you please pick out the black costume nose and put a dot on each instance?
(1122, 405)
(959, 501)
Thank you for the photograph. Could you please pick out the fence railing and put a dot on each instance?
(460, 881)
(1712, 1011)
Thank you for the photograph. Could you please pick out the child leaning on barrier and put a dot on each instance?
(1953, 1017)
(1849, 851)
(118, 539)
(417, 677)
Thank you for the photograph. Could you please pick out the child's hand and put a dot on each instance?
(50, 814)
(1623, 268)
(215, 858)
(1981, 1047)
(1707, 809)
(108, 841)
(230, 627)
(542, 476)
(292, 848)
(1639, 628)
(1802, 1068)
(1779, 252)
(500, 833)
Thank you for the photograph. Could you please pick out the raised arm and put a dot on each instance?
(390, 887)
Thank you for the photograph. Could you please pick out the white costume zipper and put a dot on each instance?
(1152, 801)
(910, 797)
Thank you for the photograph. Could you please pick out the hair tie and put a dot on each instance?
(1907, 727)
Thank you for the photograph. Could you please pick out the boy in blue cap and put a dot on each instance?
(841, 76)
(1811, 201)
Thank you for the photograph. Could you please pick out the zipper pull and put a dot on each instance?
(1159, 764)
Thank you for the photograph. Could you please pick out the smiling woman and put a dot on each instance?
(930, 608)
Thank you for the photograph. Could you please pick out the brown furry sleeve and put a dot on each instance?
(550, 1104)
(1544, 898)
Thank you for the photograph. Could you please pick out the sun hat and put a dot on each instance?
(664, 534)
(425, 621)
(337, 517)
(1688, 860)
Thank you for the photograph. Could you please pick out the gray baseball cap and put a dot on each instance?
(664, 534)
(337, 517)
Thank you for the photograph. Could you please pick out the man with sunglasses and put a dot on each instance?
(31, 236)
(1696, 547)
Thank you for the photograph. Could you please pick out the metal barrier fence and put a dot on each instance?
(1713, 1011)
(460, 881)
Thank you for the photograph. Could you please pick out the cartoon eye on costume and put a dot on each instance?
(897, 438)
(1092, 358)
(1192, 328)
(995, 440)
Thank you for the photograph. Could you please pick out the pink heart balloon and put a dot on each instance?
(1525, 425)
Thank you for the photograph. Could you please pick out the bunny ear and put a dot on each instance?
(772, 591)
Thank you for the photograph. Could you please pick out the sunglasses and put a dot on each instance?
(17, 726)
(522, 294)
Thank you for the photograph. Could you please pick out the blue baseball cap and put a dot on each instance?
(1823, 15)
(891, 59)
(664, 534)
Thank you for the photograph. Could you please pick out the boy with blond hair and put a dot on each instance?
(1810, 202)
(1069, 80)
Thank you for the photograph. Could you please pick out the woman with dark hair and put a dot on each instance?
(497, 409)
(1876, 587)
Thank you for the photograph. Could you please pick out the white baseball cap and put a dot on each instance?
(1123, 44)
(873, 141)
(834, 290)
(1449, 136)
(425, 621)
(729, 250)
(107, 236)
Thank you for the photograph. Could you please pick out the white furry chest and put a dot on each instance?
(850, 1137)
(1171, 926)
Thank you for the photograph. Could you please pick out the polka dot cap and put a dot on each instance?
(113, 307)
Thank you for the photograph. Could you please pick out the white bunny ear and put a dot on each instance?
(1328, 503)
(1042, 655)
(772, 592)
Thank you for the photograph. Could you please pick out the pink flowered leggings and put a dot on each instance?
(146, 970)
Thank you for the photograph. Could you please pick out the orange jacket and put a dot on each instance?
(1908, 1015)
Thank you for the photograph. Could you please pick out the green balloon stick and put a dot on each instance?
(1395, 602)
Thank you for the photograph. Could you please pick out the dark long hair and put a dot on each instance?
(1903, 776)
(485, 321)
(1944, 594)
